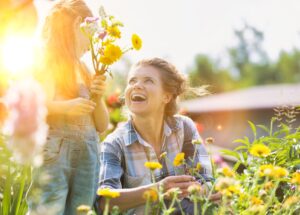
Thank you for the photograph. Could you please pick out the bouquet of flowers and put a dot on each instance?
(103, 33)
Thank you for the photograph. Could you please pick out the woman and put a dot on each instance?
(68, 177)
(153, 128)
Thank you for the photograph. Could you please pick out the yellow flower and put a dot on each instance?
(296, 178)
(290, 201)
(111, 54)
(194, 189)
(255, 209)
(226, 171)
(209, 140)
(105, 60)
(256, 201)
(243, 197)
(280, 172)
(196, 142)
(224, 183)
(150, 194)
(260, 150)
(229, 191)
(153, 165)
(108, 193)
(114, 31)
(179, 159)
(83, 208)
(136, 42)
(266, 170)
(268, 186)
(198, 166)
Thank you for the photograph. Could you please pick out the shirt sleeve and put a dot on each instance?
(202, 157)
(111, 170)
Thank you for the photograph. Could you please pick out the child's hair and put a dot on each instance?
(173, 82)
(60, 52)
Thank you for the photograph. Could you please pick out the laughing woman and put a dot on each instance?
(151, 97)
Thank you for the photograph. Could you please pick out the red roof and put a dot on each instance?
(260, 97)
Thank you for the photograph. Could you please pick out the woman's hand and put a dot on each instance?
(79, 106)
(216, 198)
(98, 85)
(180, 181)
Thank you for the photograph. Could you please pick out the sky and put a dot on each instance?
(178, 30)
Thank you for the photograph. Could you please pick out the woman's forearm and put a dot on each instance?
(101, 116)
(129, 198)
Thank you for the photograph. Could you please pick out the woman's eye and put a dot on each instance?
(149, 81)
(131, 82)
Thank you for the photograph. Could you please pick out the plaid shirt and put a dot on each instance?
(124, 152)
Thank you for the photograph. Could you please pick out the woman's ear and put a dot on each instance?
(167, 97)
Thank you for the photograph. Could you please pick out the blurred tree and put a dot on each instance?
(287, 68)
(249, 65)
(207, 72)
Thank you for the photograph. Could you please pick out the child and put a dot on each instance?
(68, 176)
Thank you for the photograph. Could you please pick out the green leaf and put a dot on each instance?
(243, 141)
(263, 127)
(7, 193)
(230, 153)
(239, 148)
(253, 128)
(236, 166)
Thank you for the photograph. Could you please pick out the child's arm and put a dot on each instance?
(101, 117)
(76, 106)
(100, 114)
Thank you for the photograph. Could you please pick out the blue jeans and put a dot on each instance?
(69, 175)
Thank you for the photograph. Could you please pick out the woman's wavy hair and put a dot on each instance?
(60, 48)
(172, 82)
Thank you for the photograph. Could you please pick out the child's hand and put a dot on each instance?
(79, 106)
(98, 85)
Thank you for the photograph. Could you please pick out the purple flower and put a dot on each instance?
(26, 122)
(90, 26)
(91, 19)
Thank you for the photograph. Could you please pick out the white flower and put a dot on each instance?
(25, 125)
(90, 26)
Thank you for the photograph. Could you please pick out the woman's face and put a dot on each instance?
(144, 94)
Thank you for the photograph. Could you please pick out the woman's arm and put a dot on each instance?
(133, 197)
(129, 198)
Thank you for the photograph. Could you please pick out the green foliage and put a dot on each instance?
(14, 183)
(283, 159)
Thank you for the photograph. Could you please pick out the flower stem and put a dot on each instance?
(147, 206)
(106, 207)
(193, 165)
(152, 176)
(195, 205)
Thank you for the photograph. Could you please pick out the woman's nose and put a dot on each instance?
(137, 85)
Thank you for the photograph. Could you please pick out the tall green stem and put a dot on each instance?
(106, 207)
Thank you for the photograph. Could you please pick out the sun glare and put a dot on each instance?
(18, 55)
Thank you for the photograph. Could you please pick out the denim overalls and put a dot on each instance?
(69, 175)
